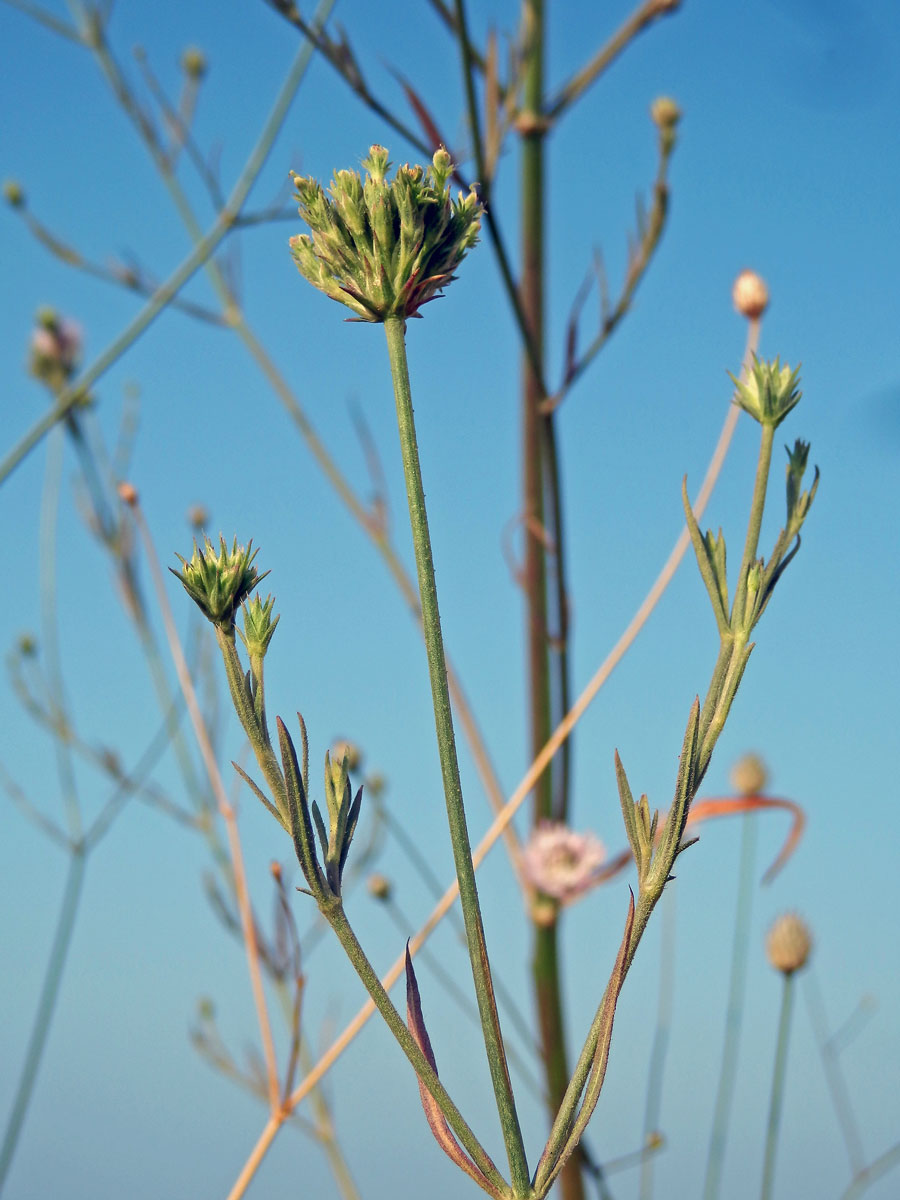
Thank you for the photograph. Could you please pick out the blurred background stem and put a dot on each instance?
(734, 1013)
(775, 1103)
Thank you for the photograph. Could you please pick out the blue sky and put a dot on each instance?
(786, 163)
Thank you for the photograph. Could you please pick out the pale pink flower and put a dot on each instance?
(56, 345)
(560, 862)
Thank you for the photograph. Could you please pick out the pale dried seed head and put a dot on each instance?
(750, 295)
(789, 943)
(749, 775)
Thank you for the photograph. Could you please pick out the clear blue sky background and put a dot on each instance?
(787, 163)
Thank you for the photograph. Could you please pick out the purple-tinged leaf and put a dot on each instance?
(436, 1120)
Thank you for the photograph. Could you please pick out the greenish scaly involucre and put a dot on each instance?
(220, 581)
(384, 247)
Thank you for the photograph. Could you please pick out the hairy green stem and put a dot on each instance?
(337, 919)
(774, 1121)
(542, 510)
(394, 329)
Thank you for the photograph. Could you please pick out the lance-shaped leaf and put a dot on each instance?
(639, 825)
(436, 1120)
(342, 819)
(260, 795)
(710, 554)
(298, 814)
(670, 835)
(552, 1163)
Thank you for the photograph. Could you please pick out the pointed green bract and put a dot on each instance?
(384, 248)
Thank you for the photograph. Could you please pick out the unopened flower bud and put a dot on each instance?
(342, 749)
(128, 493)
(769, 392)
(27, 645)
(206, 1009)
(666, 114)
(259, 628)
(198, 516)
(749, 775)
(789, 943)
(750, 295)
(219, 582)
(380, 887)
(193, 62)
(275, 870)
(13, 193)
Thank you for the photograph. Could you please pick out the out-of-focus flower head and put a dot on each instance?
(560, 862)
(749, 775)
(54, 348)
(789, 943)
(750, 295)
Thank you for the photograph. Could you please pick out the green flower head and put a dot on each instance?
(770, 391)
(219, 582)
(384, 247)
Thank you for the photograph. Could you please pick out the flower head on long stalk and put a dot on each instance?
(384, 247)
(219, 581)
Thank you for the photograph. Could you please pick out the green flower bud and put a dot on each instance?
(258, 625)
(384, 248)
(220, 582)
(193, 62)
(13, 193)
(665, 114)
(798, 501)
(770, 392)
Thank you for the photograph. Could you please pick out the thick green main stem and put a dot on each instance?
(395, 329)
(543, 516)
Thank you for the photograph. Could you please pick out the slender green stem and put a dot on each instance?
(199, 256)
(734, 1013)
(337, 918)
(459, 835)
(46, 1005)
(781, 1053)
